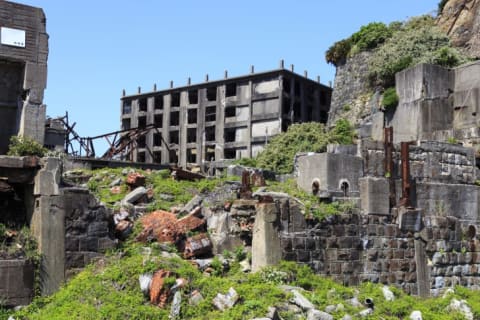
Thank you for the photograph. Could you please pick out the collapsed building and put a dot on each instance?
(230, 118)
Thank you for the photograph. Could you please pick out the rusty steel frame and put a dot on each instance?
(388, 164)
(406, 185)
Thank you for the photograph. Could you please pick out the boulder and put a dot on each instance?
(300, 300)
(314, 314)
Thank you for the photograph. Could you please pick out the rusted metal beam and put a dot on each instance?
(388, 164)
(406, 186)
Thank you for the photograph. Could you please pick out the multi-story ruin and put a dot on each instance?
(23, 72)
(230, 118)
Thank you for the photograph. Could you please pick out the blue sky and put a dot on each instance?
(99, 47)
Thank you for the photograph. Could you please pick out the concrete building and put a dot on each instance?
(23, 72)
(230, 118)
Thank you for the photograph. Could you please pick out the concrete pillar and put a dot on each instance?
(423, 271)
(32, 122)
(266, 248)
(149, 135)
(182, 130)
(167, 102)
(303, 104)
(201, 128)
(220, 124)
(134, 124)
(249, 122)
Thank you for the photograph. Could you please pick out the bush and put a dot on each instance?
(417, 41)
(441, 5)
(338, 52)
(390, 98)
(24, 146)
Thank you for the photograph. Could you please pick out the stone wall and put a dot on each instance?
(87, 231)
(16, 282)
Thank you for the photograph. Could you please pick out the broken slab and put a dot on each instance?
(198, 245)
(225, 301)
(135, 195)
(266, 248)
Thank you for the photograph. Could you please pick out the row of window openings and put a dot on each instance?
(231, 91)
(229, 136)
(173, 156)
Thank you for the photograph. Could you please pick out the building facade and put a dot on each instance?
(23, 72)
(219, 120)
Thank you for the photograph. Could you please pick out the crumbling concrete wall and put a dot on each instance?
(23, 69)
(16, 282)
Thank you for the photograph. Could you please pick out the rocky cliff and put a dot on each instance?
(460, 19)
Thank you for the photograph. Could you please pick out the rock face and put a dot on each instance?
(460, 19)
(351, 98)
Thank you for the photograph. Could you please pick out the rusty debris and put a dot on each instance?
(159, 225)
(135, 179)
(246, 188)
(406, 186)
(158, 293)
(181, 174)
(197, 246)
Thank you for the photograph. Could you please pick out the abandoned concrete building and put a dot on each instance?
(23, 72)
(230, 118)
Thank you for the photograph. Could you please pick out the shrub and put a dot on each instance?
(342, 133)
(441, 5)
(24, 146)
(338, 52)
(390, 98)
(417, 41)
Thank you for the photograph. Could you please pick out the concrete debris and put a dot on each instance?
(116, 190)
(347, 317)
(191, 222)
(158, 293)
(354, 302)
(225, 301)
(180, 174)
(123, 229)
(365, 313)
(245, 266)
(416, 315)
(272, 313)
(300, 300)
(135, 180)
(136, 195)
(195, 298)
(166, 197)
(180, 283)
(120, 216)
(115, 183)
(388, 294)
(175, 308)
(145, 280)
(202, 264)
(197, 246)
(462, 307)
(192, 204)
(314, 314)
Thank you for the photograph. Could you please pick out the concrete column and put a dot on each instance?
(167, 102)
(32, 122)
(249, 122)
(220, 124)
(149, 135)
(134, 124)
(303, 104)
(182, 130)
(266, 248)
(280, 100)
(292, 99)
(201, 149)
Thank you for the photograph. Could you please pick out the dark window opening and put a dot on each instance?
(309, 114)
(210, 133)
(126, 124)
(141, 157)
(286, 106)
(173, 156)
(285, 125)
(157, 139)
(175, 99)
(192, 115)
(323, 98)
(286, 85)
(127, 107)
(230, 112)
(174, 137)
(191, 135)
(297, 112)
(344, 187)
(315, 187)
(323, 116)
(142, 104)
(159, 102)
(230, 153)
(193, 97)
(175, 118)
(191, 155)
(157, 157)
(142, 122)
(210, 154)
(212, 93)
(229, 135)
(297, 88)
(231, 90)
(210, 114)
(141, 142)
(158, 120)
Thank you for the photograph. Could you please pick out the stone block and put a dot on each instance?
(105, 244)
(98, 229)
(88, 244)
(374, 195)
(266, 247)
(16, 282)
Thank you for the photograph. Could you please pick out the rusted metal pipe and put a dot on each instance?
(388, 164)
(406, 186)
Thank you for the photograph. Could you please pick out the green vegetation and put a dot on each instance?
(247, 162)
(417, 41)
(396, 47)
(24, 146)
(390, 99)
(452, 140)
(306, 137)
(367, 38)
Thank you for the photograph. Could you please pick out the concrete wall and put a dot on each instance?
(330, 170)
(16, 282)
(28, 89)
